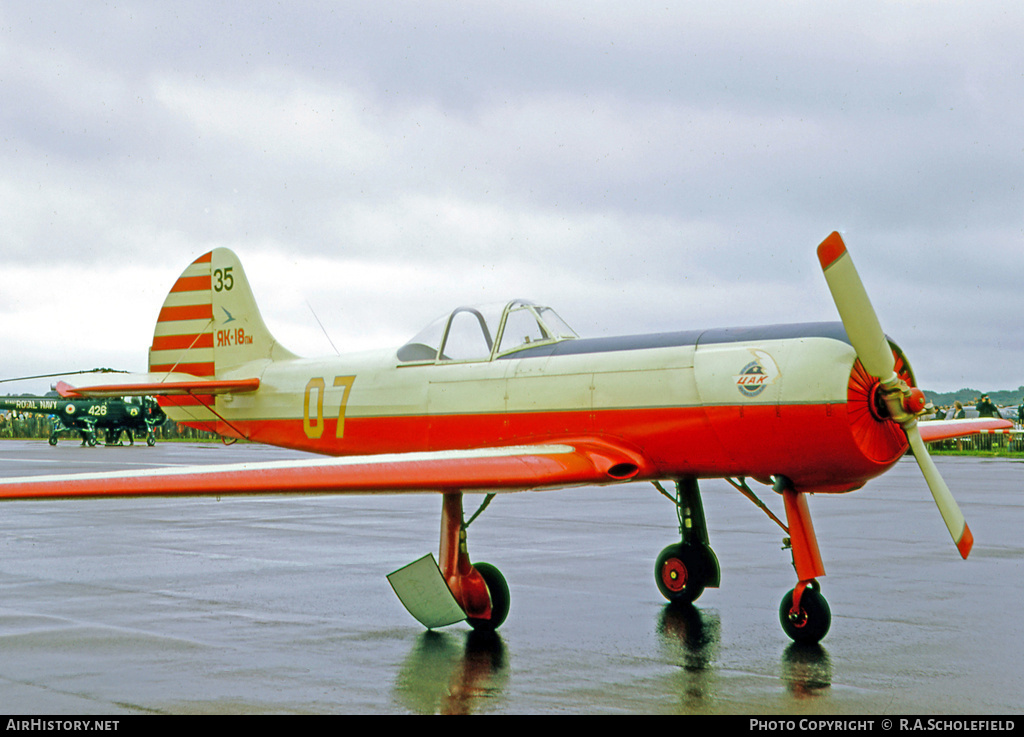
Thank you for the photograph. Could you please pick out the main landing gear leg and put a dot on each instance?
(804, 614)
(479, 589)
(683, 570)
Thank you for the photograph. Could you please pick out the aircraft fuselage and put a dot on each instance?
(757, 402)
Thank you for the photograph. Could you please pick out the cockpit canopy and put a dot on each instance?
(485, 332)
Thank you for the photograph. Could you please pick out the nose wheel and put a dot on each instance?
(808, 621)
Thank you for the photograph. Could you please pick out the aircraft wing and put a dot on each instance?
(491, 469)
(945, 429)
(151, 385)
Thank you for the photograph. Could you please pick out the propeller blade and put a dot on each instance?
(948, 508)
(872, 348)
(855, 310)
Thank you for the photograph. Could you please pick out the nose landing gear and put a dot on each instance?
(804, 614)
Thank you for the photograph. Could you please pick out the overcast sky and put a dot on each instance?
(638, 167)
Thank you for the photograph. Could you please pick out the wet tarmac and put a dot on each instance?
(280, 604)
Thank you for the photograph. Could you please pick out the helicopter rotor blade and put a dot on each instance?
(65, 373)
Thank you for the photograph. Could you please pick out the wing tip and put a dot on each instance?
(831, 249)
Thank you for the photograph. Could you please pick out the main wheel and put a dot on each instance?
(811, 622)
(500, 599)
(681, 572)
(53, 440)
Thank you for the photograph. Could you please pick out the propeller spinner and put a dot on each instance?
(904, 403)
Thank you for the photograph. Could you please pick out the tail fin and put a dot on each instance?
(209, 324)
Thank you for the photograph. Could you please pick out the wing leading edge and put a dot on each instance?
(947, 429)
(491, 469)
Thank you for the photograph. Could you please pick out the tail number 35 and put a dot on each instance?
(313, 408)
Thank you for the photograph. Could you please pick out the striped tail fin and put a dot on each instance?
(210, 327)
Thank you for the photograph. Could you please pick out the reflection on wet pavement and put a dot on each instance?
(453, 673)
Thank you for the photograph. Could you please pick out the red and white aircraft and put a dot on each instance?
(508, 398)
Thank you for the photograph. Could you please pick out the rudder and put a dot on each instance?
(209, 324)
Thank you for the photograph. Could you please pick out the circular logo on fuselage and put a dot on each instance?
(757, 375)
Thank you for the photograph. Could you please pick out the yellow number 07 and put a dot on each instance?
(314, 426)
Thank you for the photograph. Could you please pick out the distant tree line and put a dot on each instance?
(1001, 397)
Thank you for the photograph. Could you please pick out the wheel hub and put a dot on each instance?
(673, 575)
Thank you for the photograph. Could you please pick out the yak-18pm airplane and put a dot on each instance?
(489, 400)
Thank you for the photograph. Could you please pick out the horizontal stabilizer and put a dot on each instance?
(151, 385)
